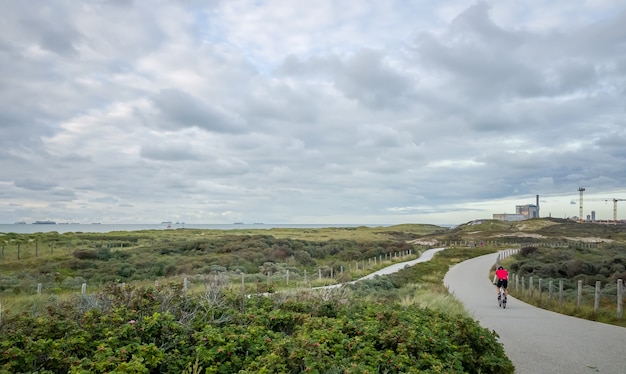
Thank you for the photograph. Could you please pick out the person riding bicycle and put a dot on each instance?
(502, 277)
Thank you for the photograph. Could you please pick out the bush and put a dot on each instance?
(161, 330)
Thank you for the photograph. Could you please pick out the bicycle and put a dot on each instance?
(501, 300)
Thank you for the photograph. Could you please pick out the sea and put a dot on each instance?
(31, 228)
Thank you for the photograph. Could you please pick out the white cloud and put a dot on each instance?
(351, 112)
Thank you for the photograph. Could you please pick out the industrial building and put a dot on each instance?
(522, 212)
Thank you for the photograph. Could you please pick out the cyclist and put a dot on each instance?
(502, 277)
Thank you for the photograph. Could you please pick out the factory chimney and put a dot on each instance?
(538, 207)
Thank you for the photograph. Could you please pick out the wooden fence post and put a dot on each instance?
(531, 286)
(523, 285)
(83, 289)
(620, 295)
(550, 290)
(39, 289)
(561, 292)
(540, 288)
(287, 281)
(516, 283)
(596, 303)
(580, 292)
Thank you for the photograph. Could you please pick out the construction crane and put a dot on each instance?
(580, 215)
(615, 208)
(614, 200)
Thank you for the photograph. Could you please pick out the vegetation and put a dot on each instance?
(137, 330)
(568, 266)
(405, 322)
(401, 323)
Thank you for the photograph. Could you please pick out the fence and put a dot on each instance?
(546, 288)
(328, 274)
(513, 243)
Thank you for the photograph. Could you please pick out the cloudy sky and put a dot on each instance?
(326, 111)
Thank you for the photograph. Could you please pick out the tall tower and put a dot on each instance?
(580, 215)
(538, 206)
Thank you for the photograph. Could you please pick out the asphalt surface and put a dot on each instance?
(427, 255)
(536, 340)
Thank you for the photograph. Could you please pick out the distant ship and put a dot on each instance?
(238, 223)
(44, 223)
(20, 223)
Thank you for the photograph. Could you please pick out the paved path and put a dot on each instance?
(536, 340)
(427, 255)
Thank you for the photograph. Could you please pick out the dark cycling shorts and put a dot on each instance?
(503, 283)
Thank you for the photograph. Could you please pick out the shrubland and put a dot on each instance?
(402, 323)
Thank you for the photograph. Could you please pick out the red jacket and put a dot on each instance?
(502, 274)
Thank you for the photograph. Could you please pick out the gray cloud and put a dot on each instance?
(180, 109)
(35, 185)
(360, 113)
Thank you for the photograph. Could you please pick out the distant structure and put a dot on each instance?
(537, 199)
(522, 212)
(593, 216)
(580, 200)
(508, 217)
(528, 211)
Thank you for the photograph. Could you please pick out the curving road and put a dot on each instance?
(536, 340)
(427, 255)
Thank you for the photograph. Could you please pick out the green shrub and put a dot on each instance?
(160, 330)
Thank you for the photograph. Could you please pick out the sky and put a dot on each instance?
(286, 111)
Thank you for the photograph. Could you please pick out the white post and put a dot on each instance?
(319, 274)
(243, 284)
(287, 277)
(304, 275)
(185, 284)
(531, 286)
(596, 303)
(540, 288)
(561, 293)
(550, 283)
(156, 284)
(580, 292)
(620, 295)
(39, 289)
(83, 289)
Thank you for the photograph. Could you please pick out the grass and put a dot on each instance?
(605, 314)
(607, 311)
